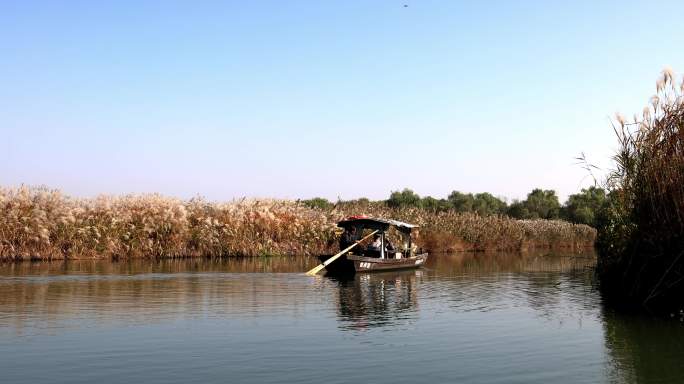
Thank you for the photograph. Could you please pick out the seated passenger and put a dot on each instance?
(388, 245)
(376, 244)
(374, 247)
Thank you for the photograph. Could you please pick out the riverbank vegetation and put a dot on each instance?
(40, 223)
(451, 230)
(580, 208)
(641, 241)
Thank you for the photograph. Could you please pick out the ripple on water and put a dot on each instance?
(465, 318)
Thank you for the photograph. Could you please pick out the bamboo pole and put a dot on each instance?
(319, 267)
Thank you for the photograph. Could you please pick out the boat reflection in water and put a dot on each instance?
(462, 283)
(369, 300)
(471, 317)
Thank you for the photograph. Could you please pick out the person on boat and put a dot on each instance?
(374, 247)
(348, 237)
(376, 244)
(388, 245)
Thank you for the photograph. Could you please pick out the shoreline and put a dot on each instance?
(579, 248)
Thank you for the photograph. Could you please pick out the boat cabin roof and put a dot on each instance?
(375, 223)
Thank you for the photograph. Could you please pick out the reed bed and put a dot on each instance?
(447, 231)
(42, 223)
(38, 223)
(641, 243)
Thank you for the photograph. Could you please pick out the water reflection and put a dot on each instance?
(476, 264)
(466, 317)
(40, 296)
(556, 287)
(140, 266)
(644, 349)
(376, 300)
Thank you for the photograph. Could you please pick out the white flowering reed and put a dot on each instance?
(39, 223)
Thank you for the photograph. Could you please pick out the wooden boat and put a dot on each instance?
(384, 259)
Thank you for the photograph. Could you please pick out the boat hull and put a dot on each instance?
(350, 264)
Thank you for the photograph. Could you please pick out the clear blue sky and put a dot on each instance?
(319, 98)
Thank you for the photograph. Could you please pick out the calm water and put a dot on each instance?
(464, 318)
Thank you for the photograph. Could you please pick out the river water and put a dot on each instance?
(471, 318)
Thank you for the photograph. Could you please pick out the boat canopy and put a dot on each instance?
(375, 223)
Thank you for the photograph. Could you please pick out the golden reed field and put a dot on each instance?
(41, 223)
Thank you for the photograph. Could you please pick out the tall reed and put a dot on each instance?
(40, 223)
(641, 244)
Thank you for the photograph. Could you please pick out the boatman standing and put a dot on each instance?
(348, 237)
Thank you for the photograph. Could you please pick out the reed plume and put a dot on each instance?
(641, 242)
(42, 223)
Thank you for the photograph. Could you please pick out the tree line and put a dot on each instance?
(582, 208)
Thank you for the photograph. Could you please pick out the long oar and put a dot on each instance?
(342, 252)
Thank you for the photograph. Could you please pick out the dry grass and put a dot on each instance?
(39, 223)
(45, 224)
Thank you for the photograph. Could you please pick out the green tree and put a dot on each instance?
(487, 204)
(584, 207)
(482, 203)
(518, 210)
(432, 204)
(405, 198)
(318, 203)
(360, 202)
(461, 202)
(540, 204)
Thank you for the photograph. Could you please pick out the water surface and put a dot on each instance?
(474, 318)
